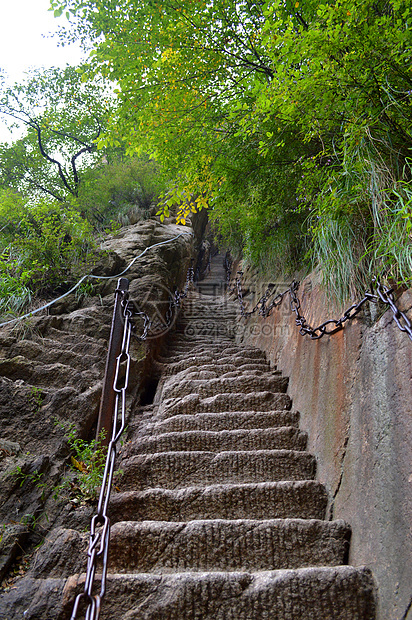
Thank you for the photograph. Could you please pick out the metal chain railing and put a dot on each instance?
(89, 275)
(100, 524)
(156, 328)
(329, 327)
(112, 418)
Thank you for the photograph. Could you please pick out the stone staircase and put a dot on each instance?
(219, 515)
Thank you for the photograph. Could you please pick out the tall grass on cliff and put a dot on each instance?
(360, 221)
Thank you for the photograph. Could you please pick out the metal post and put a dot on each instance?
(115, 345)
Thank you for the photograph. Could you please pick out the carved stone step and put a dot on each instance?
(175, 470)
(212, 387)
(261, 401)
(224, 364)
(206, 315)
(264, 500)
(283, 438)
(202, 374)
(220, 545)
(335, 593)
(221, 368)
(213, 352)
(227, 420)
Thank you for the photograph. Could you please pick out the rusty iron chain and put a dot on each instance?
(261, 306)
(329, 327)
(386, 295)
(100, 524)
(156, 328)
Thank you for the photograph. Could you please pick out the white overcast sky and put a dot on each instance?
(22, 24)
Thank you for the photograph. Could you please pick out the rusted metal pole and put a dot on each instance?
(107, 401)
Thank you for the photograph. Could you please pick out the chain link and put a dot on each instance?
(386, 295)
(100, 524)
(156, 328)
(329, 327)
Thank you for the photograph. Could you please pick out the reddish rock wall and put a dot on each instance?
(353, 390)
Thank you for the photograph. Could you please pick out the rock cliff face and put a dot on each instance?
(354, 394)
(51, 371)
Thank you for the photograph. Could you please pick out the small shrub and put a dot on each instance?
(87, 463)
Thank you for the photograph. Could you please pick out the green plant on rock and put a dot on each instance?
(37, 396)
(87, 463)
(35, 478)
(32, 521)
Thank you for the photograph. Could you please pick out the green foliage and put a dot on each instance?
(40, 246)
(34, 479)
(292, 120)
(63, 117)
(36, 396)
(114, 188)
(87, 463)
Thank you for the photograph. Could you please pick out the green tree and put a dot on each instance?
(117, 185)
(179, 68)
(292, 121)
(63, 117)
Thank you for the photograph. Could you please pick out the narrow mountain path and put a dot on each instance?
(220, 515)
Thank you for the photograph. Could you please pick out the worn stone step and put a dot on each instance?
(175, 470)
(261, 401)
(320, 593)
(202, 322)
(246, 384)
(156, 546)
(206, 346)
(226, 420)
(209, 350)
(283, 438)
(203, 357)
(225, 349)
(305, 499)
(194, 334)
(223, 365)
(220, 368)
(197, 336)
(202, 374)
(209, 312)
(204, 327)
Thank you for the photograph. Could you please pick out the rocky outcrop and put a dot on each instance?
(51, 371)
(353, 390)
